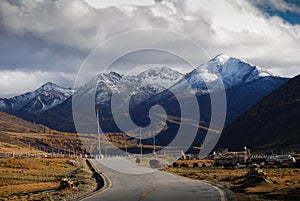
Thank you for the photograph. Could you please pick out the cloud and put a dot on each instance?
(105, 4)
(56, 36)
(29, 81)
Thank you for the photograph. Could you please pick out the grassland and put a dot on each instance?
(286, 182)
(39, 179)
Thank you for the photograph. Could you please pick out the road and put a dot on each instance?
(154, 186)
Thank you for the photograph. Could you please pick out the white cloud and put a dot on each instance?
(108, 3)
(236, 28)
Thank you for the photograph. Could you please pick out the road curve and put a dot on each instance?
(153, 186)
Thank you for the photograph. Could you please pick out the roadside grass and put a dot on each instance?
(286, 181)
(21, 176)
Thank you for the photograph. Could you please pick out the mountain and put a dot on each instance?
(42, 99)
(270, 125)
(245, 85)
(141, 87)
(232, 71)
(241, 97)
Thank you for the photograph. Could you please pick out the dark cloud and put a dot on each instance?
(28, 53)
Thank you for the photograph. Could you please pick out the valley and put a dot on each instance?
(149, 100)
(39, 143)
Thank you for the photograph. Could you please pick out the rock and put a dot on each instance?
(66, 183)
(154, 163)
(74, 162)
(176, 165)
(256, 176)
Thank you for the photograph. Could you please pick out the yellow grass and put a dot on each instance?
(286, 186)
(17, 149)
(27, 175)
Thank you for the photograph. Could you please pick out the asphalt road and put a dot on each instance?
(154, 186)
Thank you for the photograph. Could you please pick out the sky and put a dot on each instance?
(49, 40)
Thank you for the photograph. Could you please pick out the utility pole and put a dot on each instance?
(99, 140)
(154, 144)
(125, 139)
(141, 141)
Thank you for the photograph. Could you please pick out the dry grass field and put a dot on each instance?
(38, 179)
(286, 182)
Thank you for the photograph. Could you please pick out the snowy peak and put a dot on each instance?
(109, 79)
(142, 86)
(232, 71)
(48, 86)
(160, 71)
(45, 97)
(160, 76)
(228, 66)
(221, 59)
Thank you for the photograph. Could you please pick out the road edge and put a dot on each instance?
(105, 179)
(225, 193)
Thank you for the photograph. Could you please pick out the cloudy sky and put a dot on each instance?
(48, 40)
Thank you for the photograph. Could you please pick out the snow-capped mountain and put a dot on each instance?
(140, 87)
(160, 76)
(45, 97)
(245, 85)
(231, 71)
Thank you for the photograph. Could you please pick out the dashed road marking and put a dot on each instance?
(154, 185)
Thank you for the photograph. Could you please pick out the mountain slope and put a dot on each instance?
(45, 97)
(17, 134)
(231, 70)
(140, 87)
(244, 84)
(238, 99)
(272, 124)
(14, 124)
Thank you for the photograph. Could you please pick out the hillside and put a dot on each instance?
(270, 125)
(21, 137)
(12, 123)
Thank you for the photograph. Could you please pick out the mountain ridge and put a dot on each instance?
(33, 101)
(141, 93)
